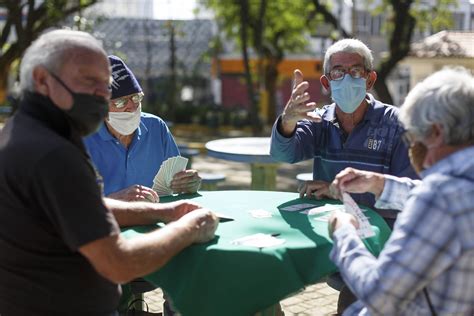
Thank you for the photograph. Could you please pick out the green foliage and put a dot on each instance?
(284, 27)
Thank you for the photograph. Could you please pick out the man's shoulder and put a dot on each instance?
(153, 122)
(383, 112)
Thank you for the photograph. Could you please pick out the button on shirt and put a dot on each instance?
(373, 145)
(432, 246)
(121, 167)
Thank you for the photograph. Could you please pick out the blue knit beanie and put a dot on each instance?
(123, 80)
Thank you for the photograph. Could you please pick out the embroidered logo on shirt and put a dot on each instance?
(374, 144)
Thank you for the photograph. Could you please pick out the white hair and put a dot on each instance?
(51, 50)
(446, 98)
(349, 45)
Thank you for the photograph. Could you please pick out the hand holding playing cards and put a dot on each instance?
(187, 181)
(202, 222)
(357, 181)
(135, 193)
(339, 219)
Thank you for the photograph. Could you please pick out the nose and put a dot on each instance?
(131, 106)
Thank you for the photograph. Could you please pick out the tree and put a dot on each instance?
(26, 19)
(271, 29)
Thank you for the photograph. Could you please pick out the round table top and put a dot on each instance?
(241, 149)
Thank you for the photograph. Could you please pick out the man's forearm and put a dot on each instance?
(135, 213)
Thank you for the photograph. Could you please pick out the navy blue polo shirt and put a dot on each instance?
(374, 145)
(122, 167)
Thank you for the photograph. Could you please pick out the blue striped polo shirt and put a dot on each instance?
(374, 145)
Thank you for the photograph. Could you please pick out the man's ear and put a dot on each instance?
(40, 78)
(436, 137)
(371, 78)
(325, 82)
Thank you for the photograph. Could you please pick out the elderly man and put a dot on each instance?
(130, 145)
(60, 246)
(355, 131)
(426, 267)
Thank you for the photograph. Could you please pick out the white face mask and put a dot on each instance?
(125, 122)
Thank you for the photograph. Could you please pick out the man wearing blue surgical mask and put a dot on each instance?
(355, 131)
(130, 146)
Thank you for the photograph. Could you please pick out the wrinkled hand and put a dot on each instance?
(339, 219)
(203, 224)
(187, 181)
(296, 108)
(136, 192)
(357, 181)
(173, 211)
(316, 188)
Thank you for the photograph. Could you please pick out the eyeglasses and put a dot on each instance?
(122, 102)
(356, 72)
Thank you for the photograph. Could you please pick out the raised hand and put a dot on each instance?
(296, 108)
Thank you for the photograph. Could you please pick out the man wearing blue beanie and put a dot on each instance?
(130, 146)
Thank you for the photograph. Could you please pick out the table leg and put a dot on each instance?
(264, 176)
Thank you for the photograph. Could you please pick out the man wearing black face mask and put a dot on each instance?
(61, 252)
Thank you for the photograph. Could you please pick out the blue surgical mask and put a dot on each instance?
(348, 93)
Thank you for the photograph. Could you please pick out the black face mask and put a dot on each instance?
(88, 111)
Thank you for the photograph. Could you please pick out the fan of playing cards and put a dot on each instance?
(169, 167)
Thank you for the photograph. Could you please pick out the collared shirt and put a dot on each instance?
(432, 247)
(375, 145)
(122, 167)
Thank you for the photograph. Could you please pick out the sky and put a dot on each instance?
(176, 9)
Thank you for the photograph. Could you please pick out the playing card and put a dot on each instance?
(322, 209)
(258, 240)
(350, 206)
(296, 207)
(164, 176)
(260, 213)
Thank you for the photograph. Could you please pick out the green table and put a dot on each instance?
(219, 278)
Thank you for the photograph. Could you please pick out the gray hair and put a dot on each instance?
(446, 98)
(51, 50)
(349, 45)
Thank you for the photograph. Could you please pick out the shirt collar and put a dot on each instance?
(459, 162)
(370, 115)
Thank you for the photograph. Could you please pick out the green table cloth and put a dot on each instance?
(220, 278)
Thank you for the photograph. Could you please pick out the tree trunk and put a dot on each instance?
(244, 22)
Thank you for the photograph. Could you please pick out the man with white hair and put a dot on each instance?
(427, 265)
(60, 246)
(355, 131)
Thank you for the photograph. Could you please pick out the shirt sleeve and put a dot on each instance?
(422, 245)
(395, 192)
(65, 188)
(169, 145)
(298, 147)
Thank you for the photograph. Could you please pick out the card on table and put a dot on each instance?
(324, 208)
(297, 207)
(169, 167)
(258, 240)
(259, 213)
